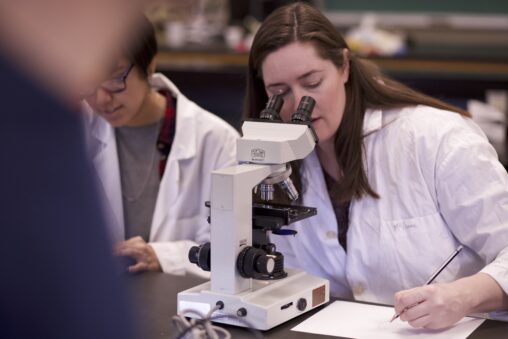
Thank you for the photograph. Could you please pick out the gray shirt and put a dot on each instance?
(139, 170)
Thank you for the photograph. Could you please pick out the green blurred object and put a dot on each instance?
(448, 6)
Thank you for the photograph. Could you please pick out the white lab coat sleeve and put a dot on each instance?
(217, 157)
(219, 148)
(227, 153)
(472, 192)
(173, 258)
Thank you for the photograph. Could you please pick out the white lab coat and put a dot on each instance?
(440, 185)
(203, 142)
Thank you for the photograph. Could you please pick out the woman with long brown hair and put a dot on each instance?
(399, 179)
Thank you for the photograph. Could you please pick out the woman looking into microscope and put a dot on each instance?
(399, 179)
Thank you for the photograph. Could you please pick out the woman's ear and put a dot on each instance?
(151, 67)
(345, 64)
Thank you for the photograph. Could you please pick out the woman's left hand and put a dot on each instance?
(432, 306)
(141, 252)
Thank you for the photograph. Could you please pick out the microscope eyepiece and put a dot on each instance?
(304, 110)
(272, 109)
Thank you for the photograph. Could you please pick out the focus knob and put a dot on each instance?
(253, 261)
(265, 264)
(200, 255)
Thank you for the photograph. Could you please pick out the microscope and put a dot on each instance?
(249, 285)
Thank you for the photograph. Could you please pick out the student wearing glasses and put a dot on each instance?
(154, 151)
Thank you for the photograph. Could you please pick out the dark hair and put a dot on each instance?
(366, 88)
(142, 46)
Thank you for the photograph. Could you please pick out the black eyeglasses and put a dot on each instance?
(112, 86)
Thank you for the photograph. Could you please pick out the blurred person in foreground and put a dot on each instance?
(58, 276)
(154, 151)
(399, 179)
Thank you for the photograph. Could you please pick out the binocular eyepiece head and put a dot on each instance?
(302, 113)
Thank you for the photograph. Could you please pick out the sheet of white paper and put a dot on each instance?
(355, 320)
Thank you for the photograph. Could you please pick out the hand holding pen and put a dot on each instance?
(431, 279)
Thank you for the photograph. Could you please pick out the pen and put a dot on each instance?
(434, 276)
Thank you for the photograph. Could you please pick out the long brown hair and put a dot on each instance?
(366, 88)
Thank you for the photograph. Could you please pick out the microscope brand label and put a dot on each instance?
(257, 154)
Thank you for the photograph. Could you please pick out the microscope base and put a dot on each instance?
(267, 304)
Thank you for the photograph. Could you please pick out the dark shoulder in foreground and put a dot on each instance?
(59, 280)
